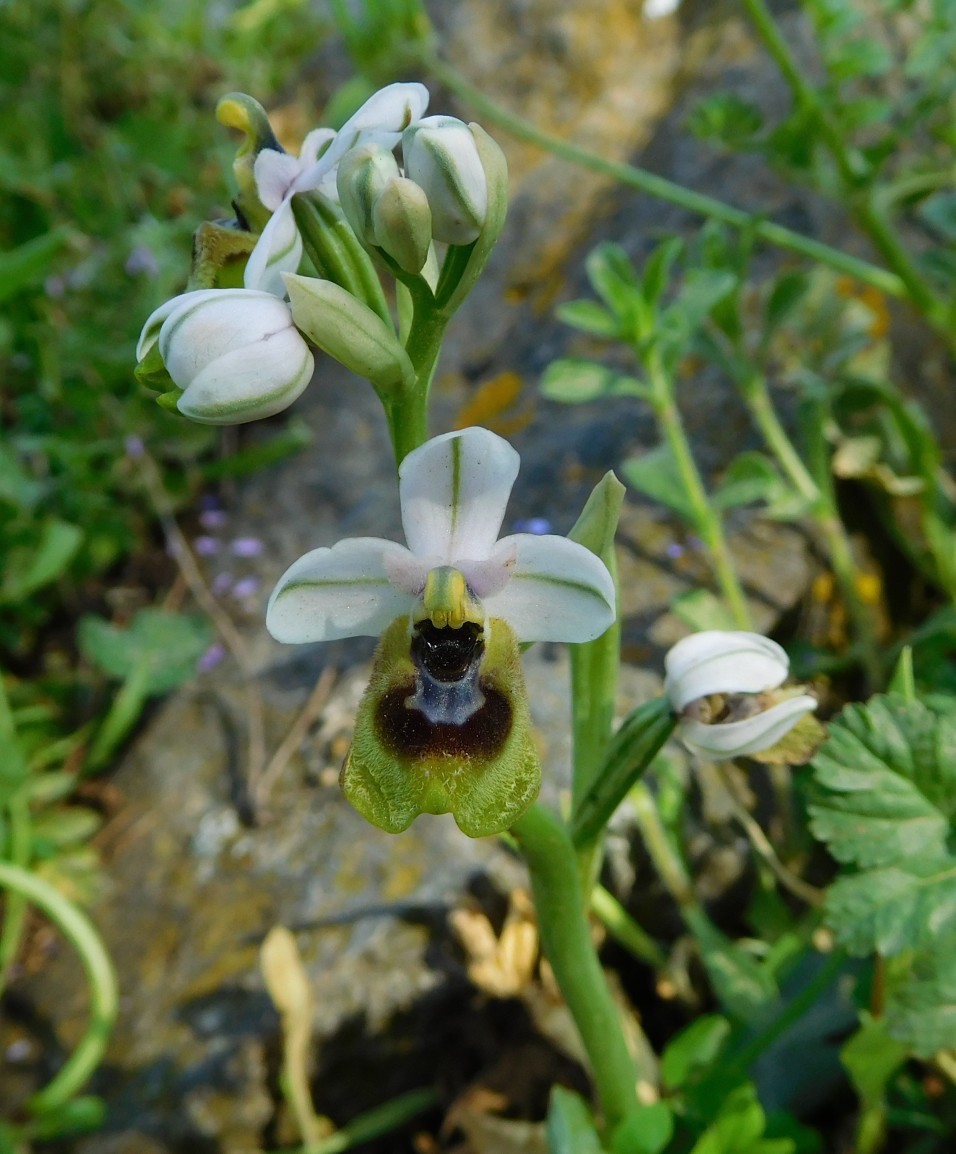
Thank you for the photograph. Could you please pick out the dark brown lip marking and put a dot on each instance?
(408, 733)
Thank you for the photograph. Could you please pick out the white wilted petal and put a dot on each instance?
(746, 737)
(718, 661)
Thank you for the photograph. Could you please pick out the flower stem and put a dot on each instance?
(822, 503)
(15, 908)
(407, 411)
(78, 929)
(707, 522)
(566, 939)
(657, 186)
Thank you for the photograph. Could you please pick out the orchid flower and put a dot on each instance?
(444, 726)
(453, 491)
(279, 176)
(726, 686)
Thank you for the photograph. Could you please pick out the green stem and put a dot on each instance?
(707, 522)
(822, 502)
(15, 908)
(666, 190)
(79, 931)
(567, 944)
(373, 1123)
(407, 412)
(126, 708)
(621, 926)
(860, 200)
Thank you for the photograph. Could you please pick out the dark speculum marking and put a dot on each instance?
(447, 654)
(408, 733)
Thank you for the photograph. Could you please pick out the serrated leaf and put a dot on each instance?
(921, 1013)
(571, 1128)
(574, 381)
(885, 805)
(162, 646)
(655, 474)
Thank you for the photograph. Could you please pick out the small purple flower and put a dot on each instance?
(141, 262)
(245, 587)
(246, 546)
(538, 526)
(134, 447)
(213, 518)
(675, 550)
(211, 658)
(222, 583)
(206, 546)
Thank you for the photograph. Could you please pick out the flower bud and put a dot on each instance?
(348, 330)
(726, 687)
(385, 209)
(235, 354)
(441, 156)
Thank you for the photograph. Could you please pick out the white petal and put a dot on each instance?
(559, 591)
(274, 172)
(249, 384)
(313, 144)
(278, 250)
(158, 317)
(740, 738)
(454, 490)
(716, 661)
(381, 119)
(339, 592)
(209, 324)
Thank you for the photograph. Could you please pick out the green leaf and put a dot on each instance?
(656, 272)
(725, 119)
(750, 477)
(740, 1127)
(921, 1012)
(59, 828)
(885, 805)
(744, 988)
(701, 609)
(27, 263)
(655, 474)
(573, 381)
(570, 1127)
(787, 292)
(871, 1058)
(694, 1050)
(613, 278)
(646, 1131)
(589, 317)
(161, 647)
(939, 212)
(28, 569)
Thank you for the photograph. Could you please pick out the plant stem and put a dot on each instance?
(707, 522)
(567, 944)
(104, 999)
(621, 926)
(15, 908)
(822, 502)
(657, 186)
(407, 411)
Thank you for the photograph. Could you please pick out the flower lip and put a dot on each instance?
(454, 490)
(751, 735)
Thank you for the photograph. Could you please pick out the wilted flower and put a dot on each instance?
(726, 686)
(444, 725)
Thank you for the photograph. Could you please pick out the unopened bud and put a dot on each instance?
(441, 156)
